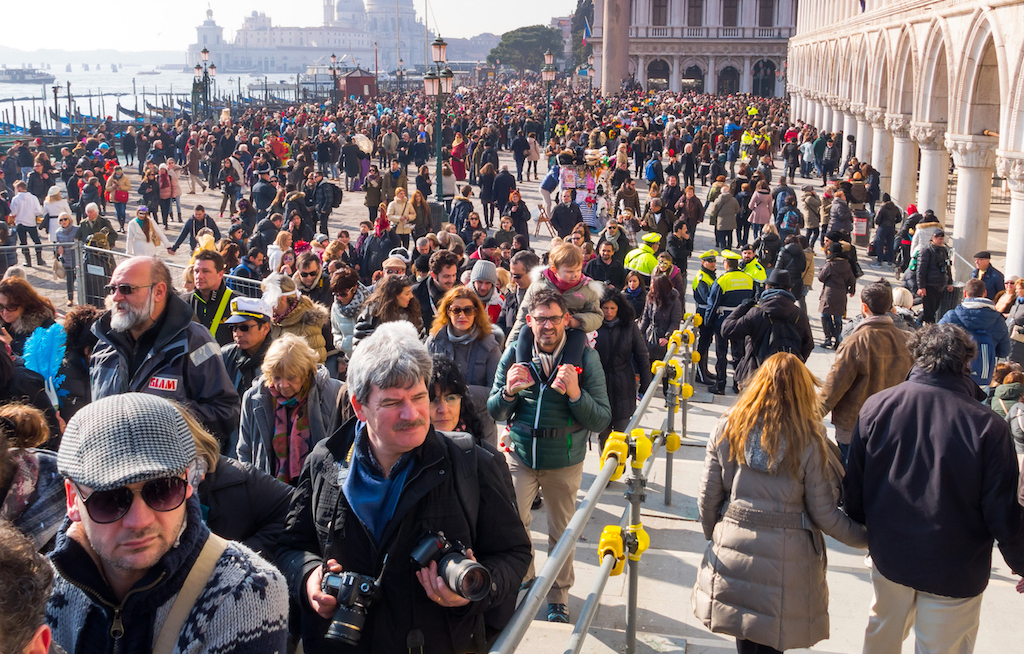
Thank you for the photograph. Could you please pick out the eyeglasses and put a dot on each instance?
(449, 399)
(124, 289)
(9, 307)
(105, 507)
(458, 311)
(554, 321)
(309, 274)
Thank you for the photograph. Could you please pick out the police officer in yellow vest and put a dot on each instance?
(728, 292)
(753, 267)
(644, 259)
(702, 284)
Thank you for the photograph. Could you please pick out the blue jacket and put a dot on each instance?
(183, 364)
(993, 281)
(988, 329)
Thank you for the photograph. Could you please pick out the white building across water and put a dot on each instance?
(918, 82)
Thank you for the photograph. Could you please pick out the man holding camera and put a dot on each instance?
(389, 520)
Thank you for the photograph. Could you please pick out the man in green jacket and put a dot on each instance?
(551, 397)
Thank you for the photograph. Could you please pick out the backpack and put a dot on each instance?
(649, 171)
(335, 196)
(763, 254)
(782, 337)
(981, 367)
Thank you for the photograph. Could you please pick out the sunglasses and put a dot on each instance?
(242, 327)
(124, 289)
(105, 507)
(458, 311)
(9, 307)
(308, 274)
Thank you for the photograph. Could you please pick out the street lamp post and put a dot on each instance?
(203, 72)
(56, 111)
(334, 79)
(438, 84)
(547, 73)
(401, 74)
(590, 72)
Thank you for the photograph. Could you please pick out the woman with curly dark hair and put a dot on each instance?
(391, 300)
(451, 405)
(22, 312)
(78, 348)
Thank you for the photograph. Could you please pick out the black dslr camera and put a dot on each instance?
(355, 593)
(463, 575)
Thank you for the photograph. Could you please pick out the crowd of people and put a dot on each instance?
(339, 436)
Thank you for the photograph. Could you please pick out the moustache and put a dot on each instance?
(405, 425)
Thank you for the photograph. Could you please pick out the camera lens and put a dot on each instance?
(347, 625)
(466, 577)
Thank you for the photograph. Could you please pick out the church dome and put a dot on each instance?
(386, 6)
(350, 7)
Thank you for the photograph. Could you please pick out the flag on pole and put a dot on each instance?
(586, 30)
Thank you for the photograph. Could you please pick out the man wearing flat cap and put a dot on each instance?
(137, 570)
(986, 272)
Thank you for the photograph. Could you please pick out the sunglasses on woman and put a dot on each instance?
(458, 311)
(105, 507)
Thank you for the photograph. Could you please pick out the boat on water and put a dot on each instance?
(149, 72)
(113, 68)
(85, 67)
(25, 76)
(67, 69)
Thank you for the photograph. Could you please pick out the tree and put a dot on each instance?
(523, 48)
(580, 52)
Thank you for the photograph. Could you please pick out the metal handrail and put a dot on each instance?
(521, 620)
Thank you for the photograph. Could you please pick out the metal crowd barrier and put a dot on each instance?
(628, 539)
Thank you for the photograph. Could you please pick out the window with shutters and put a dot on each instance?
(730, 13)
(695, 13)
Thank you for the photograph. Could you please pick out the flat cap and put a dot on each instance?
(125, 439)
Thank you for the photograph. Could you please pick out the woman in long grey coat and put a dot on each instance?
(462, 332)
(771, 485)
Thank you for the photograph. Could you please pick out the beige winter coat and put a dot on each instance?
(760, 583)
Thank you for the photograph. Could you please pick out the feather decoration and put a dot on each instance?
(44, 354)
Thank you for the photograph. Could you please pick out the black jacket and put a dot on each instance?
(791, 258)
(429, 502)
(564, 217)
(191, 229)
(752, 322)
(610, 273)
(933, 476)
(622, 350)
(933, 268)
(429, 296)
(242, 368)
(245, 505)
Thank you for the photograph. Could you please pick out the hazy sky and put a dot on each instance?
(171, 25)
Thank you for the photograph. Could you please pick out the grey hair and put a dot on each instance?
(392, 357)
(943, 349)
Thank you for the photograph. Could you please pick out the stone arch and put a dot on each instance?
(905, 62)
(845, 78)
(933, 99)
(981, 80)
(764, 78)
(728, 79)
(1014, 138)
(879, 75)
(658, 75)
(859, 70)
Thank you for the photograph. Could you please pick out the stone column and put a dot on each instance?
(1010, 166)
(881, 147)
(614, 45)
(711, 79)
(863, 133)
(934, 179)
(826, 113)
(641, 70)
(904, 160)
(794, 105)
(675, 80)
(849, 123)
(837, 114)
(975, 158)
(819, 111)
(747, 76)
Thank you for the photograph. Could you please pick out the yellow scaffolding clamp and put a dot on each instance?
(677, 375)
(697, 320)
(616, 444)
(639, 541)
(677, 338)
(672, 442)
(688, 337)
(613, 542)
(656, 366)
(641, 447)
(695, 357)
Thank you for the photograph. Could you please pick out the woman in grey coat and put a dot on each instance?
(462, 332)
(67, 232)
(288, 410)
(769, 490)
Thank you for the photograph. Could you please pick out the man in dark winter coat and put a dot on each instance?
(772, 324)
(504, 183)
(977, 314)
(383, 486)
(934, 275)
(263, 192)
(986, 272)
(566, 215)
(192, 227)
(520, 147)
(886, 219)
(605, 268)
(444, 272)
(932, 525)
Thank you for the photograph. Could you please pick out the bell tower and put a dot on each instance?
(328, 13)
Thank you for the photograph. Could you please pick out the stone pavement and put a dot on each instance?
(677, 542)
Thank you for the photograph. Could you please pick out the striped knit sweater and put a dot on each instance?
(242, 610)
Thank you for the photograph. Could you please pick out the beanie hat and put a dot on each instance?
(484, 271)
(125, 439)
